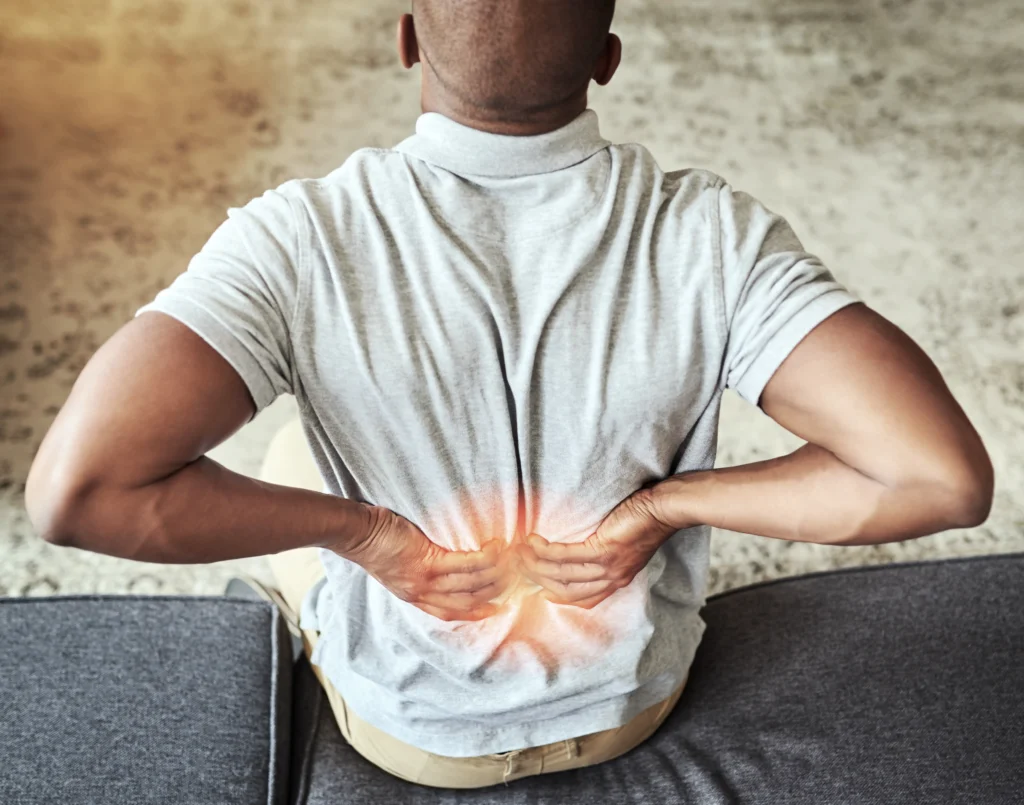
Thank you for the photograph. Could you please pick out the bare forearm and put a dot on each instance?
(206, 513)
(810, 496)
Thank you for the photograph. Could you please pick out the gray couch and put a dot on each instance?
(897, 684)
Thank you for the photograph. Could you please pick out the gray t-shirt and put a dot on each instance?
(494, 335)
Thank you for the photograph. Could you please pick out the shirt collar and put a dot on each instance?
(465, 151)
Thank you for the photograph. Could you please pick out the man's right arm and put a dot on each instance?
(890, 456)
(123, 471)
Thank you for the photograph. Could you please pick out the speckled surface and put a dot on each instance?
(890, 132)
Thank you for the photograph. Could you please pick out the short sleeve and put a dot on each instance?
(239, 292)
(774, 292)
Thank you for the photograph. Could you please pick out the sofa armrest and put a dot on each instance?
(143, 700)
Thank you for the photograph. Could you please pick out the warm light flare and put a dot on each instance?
(528, 630)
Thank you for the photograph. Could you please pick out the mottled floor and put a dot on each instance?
(890, 132)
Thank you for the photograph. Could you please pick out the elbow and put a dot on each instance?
(968, 491)
(71, 507)
(49, 511)
(972, 505)
(56, 500)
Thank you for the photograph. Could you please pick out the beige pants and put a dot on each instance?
(289, 463)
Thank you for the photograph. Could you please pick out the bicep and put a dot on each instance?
(859, 387)
(154, 398)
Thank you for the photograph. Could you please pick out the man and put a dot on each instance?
(509, 339)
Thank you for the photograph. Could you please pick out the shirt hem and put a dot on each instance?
(617, 712)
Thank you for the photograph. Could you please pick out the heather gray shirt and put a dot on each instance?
(495, 335)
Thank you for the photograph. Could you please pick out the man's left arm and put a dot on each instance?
(891, 456)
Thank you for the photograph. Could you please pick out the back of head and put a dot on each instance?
(512, 59)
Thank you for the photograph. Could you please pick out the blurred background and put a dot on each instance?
(889, 132)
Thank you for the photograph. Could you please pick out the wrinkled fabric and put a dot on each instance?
(493, 336)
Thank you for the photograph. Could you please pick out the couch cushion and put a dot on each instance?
(901, 683)
(143, 700)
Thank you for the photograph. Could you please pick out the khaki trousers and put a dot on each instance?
(289, 463)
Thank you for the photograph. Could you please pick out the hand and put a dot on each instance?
(450, 585)
(586, 573)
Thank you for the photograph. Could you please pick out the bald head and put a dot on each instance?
(515, 60)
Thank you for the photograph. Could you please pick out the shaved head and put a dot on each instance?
(514, 60)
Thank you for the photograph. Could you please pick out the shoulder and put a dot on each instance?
(685, 195)
(637, 159)
(361, 176)
(362, 166)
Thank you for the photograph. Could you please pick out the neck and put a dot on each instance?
(540, 122)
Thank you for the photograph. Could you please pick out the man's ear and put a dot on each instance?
(609, 61)
(408, 46)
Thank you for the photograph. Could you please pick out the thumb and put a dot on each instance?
(620, 523)
(493, 549)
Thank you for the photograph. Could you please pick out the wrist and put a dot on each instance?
(363, 523)
(676, 503)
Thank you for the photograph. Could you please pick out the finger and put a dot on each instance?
(467, 582)
(477, 614)
(585, 603)
(461, 602)
(492, 591)
(449, 562)
(473, 598)
(570, 592)
(564, 551)
(562, 571)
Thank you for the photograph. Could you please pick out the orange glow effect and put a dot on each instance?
(529, 632)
